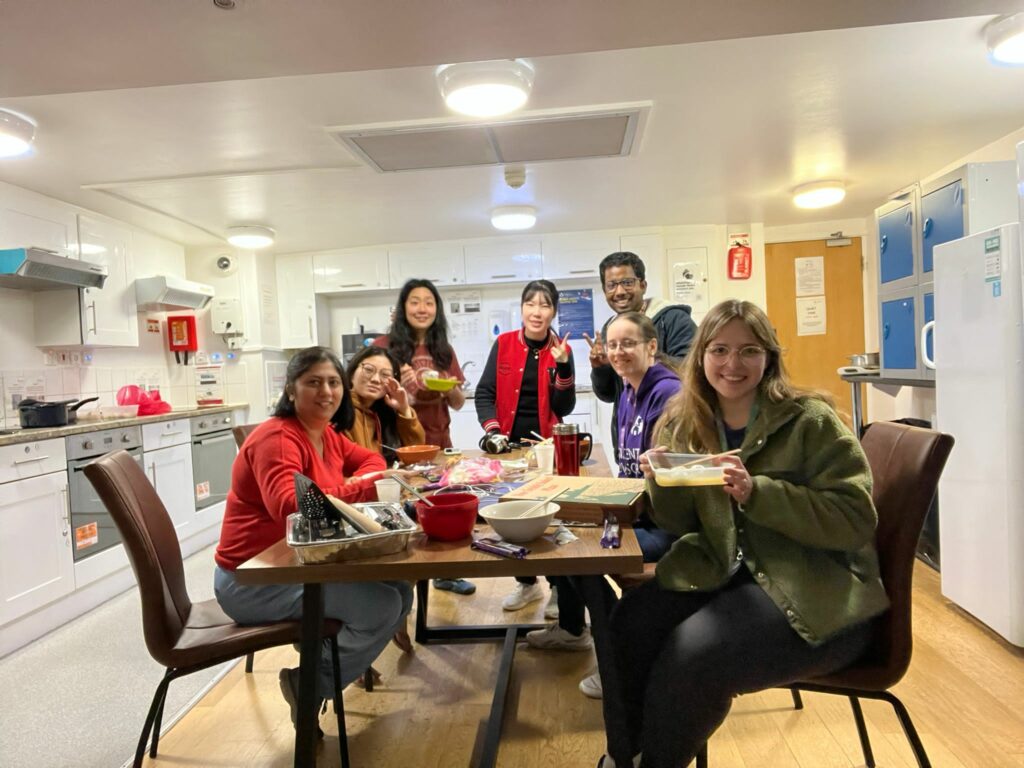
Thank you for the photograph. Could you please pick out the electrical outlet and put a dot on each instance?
(76, 357)
(235, 342)
(49, 357)
(63, 357)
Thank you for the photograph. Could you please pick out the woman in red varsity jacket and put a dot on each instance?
(527, 386)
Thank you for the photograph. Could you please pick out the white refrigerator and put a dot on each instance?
(979, 399)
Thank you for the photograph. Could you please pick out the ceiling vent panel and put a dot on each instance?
(537, 137)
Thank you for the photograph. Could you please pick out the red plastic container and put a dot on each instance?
(451, 518)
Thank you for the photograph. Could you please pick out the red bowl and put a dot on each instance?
(451, 518)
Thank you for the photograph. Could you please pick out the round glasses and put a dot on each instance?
(721, 353)
(626, 283)
(626, 345)
(372, 372)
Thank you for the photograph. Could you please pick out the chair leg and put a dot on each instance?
(798, 702)
(702, 756)
(862, 731)
(908, 729)
(339, 704)
(248, 663)
(368, 679)
(158, 697)
(159, 720)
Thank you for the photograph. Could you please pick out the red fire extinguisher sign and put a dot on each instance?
(740, 257)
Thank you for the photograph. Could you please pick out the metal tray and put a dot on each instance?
(355, 546)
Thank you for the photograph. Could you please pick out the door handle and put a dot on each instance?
(499, 277)
(153, 468)
(92, 306)
(581, 271)
(928, 362)
(67, 513)
(351, 285)
(31, 458)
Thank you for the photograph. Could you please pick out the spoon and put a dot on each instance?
(412, 490)
(543, 502)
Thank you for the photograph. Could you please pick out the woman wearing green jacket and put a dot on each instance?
(774, 576)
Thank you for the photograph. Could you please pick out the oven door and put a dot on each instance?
(212, 457)
(91, 525)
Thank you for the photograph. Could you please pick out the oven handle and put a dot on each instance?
(211, 440)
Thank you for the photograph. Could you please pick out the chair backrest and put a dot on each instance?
(152, 545)
(906, 463)
(241, 432)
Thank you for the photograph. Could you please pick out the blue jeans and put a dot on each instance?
(371, 612)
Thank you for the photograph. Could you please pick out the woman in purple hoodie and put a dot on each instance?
(632, 345)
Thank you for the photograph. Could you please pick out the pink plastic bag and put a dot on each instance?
(150, 403)
(471, 471)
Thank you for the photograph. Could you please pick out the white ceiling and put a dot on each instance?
(206, 118)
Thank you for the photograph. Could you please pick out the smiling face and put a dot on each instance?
(317, 393)
(623, 291)
(628, 353)
(537, 316)
(734, 363)
(370, 376)
(420, 309)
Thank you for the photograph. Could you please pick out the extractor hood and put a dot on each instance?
(166, 293)
(37, 269)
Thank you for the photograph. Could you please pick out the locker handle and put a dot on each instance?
(885, 330)
(926, 230)
(928, 362)
(884, 243)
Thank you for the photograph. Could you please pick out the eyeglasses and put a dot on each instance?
(628, 282)
(372, 372)
(626, 345)
(721, 353)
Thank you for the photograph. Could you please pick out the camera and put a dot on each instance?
(495, 442)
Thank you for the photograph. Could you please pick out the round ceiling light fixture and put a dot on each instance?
(1005, 38)
(819, 194)
(485, 88)
(16, 133)
(512, 217)
(251, 236)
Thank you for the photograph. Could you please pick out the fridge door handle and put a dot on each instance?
(925, 329)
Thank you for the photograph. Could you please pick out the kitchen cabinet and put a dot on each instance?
(170, 472)
(358, 269)
(102, 317)
(27, 219)
(577, 255)
(296, 301)
(511, 261)
(440, 264)
(36, 562)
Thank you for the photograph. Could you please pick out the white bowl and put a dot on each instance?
(503, 518)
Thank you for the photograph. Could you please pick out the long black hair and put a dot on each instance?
(301, 362)
(544, 287)
(385, 414)
(402, 337)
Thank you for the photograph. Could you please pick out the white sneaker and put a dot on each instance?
(590, 686)
(551, 609)
(522, 596)
(553, 637)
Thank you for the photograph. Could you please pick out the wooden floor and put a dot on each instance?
(965, 691)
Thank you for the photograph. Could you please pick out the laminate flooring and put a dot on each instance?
(965, 691)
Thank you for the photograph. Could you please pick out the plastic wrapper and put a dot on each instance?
(149, 403)
(472, 472)
(349, 543)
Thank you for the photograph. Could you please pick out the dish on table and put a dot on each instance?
(440, 385)
(679, 469)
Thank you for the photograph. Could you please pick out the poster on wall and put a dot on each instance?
(690, 284)
(464, 314)
(740, 258)
(576, 312)
(811, 319)
(810, 275)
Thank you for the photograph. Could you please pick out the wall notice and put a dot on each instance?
(811, 319)
(810, 276)
(576, 313)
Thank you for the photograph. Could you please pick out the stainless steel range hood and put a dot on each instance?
(37, 269)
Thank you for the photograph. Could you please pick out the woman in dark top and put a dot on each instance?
(528, 386)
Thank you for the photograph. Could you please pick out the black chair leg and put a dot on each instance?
(339, 704)
(798, 702)
(862, 731)
(158, 697)
(368, 679)
(248, 663)
(909, 730)
(158, 721)
(702, 757)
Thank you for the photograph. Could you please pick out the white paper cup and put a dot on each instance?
(545, 453)
(388, 490)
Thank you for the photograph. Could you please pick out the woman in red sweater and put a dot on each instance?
(303, 436)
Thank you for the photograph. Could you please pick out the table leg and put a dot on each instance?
(309, 664)
(857, 407)
(492, 737)
(422, 596)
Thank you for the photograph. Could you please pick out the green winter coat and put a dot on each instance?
(807, 533)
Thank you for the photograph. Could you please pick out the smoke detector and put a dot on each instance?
(515, 176)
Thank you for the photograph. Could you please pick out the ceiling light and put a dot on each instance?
(1005, 38)
(16, 133)
(251, 236)
(820, 194)
(508, 217)
(485, 88)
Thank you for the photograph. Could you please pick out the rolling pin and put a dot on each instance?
(359, 520)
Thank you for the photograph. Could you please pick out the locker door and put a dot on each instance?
(896, 244)
(942, 212)
(899, 342)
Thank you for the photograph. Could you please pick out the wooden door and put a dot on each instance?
(812, 360)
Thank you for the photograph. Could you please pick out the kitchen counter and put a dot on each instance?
(94, 425)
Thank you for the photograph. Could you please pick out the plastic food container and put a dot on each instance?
(451, 518)
(669, 472)
(504, 519)
(353, 547)
(440, 385)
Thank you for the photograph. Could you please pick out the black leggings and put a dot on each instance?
(680, 657)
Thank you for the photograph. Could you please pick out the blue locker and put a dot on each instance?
(942, 212)
(899, 336)
(896, 244)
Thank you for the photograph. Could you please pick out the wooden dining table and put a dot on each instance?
(426, 559)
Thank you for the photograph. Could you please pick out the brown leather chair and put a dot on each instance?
(181, 635)
(241, 432)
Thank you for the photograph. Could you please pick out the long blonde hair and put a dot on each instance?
(688, 421)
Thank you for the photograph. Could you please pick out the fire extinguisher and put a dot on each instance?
(740, 261)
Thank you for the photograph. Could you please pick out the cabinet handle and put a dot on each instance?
(581, 271)
(153, 468)
(310, 321)
(32, 458)
(170, 434)
(351, 285)
(93, 308)
(496, 277)
(67, 513)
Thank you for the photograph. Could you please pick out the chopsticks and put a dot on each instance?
(542, 440)
(703, 459)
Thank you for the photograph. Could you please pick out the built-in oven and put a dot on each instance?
(93, 527)
(213, 453)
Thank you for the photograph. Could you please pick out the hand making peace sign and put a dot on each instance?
(560, 351)
(597, 354)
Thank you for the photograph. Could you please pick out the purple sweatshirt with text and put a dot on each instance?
(638, 411)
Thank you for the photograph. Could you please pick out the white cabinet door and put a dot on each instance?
(36, 564)
(359, 269)
(296, 302)
(465, 429)
(170, 472)
(440, 264)
(513, 261)
(111, 318)
(27, 219)
(576, 255)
